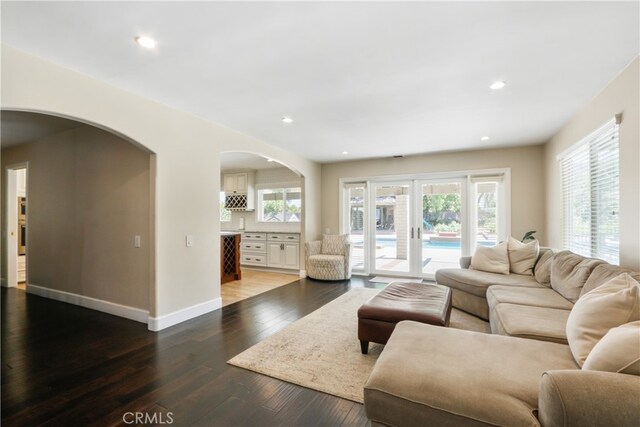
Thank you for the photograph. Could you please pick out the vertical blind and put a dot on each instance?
(590, 195)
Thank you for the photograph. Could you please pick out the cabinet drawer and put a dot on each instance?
(254, 236)
(252, 259)
(281, 237)
(256, 246)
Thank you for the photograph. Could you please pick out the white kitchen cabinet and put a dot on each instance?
(283, 251)
(239, 191)
(238, 183)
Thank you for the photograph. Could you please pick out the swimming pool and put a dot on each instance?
(426, 244)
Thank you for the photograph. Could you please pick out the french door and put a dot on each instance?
(414, 227)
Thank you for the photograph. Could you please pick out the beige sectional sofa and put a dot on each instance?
(524, 374)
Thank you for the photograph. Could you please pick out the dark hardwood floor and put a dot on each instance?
(63, 365)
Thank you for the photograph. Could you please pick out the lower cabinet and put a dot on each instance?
(283, 255)
(277, 250)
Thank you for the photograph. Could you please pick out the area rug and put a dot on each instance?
(321, 351)
(385, 279)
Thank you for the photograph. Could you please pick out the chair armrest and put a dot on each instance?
(588, 398)
(347, 259)
(465, 262)
(313, 248)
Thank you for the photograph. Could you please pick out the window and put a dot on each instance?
(590, 195)
(225, 214)
(279, 204)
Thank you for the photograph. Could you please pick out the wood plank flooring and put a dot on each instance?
(253, 282)
(64, 365)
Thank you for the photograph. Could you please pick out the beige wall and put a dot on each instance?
(187, 152)
(88, 195)
(527, 180)
(620, 96)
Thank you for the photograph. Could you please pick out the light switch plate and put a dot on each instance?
(136, 241)
(189, 240)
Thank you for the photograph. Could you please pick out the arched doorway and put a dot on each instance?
(268, 223)
(88, 223)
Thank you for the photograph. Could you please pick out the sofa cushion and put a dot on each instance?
(569, 272)
(522, 256)
(476, 282)
(608, 306)
(618, 351)
(538, 297)
(538, 323)
(603, 273)
(542, 270)
(492, 260)
(420, 374)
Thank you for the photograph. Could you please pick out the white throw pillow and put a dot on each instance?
(492, 260)
(610, 305)
(522, 256)
(618, 351)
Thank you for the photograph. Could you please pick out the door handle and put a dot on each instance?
(282, 246)
(412, 232)
(419, 233)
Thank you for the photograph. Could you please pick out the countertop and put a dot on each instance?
(260, 231)
(230, 233)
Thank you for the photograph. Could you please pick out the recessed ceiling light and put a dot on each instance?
(146, 42)
(345, 152)
(287, 120)
(484, 138)
(498, 85)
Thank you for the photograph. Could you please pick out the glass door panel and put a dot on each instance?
(391, 225)
(485, 218)
(440, 204)
(356, 202)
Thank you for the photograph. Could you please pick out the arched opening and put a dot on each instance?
(262, 215)
(85, 214)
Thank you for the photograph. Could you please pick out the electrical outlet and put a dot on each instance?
(189, 240)
(136, 241)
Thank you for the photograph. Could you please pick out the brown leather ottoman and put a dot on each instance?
(420, 302)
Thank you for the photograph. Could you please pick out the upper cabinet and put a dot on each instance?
(239, 190)
(237, 183)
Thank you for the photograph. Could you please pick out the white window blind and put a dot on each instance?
(590, 195)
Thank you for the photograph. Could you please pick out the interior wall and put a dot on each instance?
(187, 152)
(89, 194)
(620, 96)
(273, 177)
(527, 180)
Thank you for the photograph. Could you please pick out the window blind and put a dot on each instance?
(591, 195)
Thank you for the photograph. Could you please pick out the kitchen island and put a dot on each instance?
(230, 256)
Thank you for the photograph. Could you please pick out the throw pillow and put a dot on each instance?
(618, 351)
(608, 306)
(522, 256)
(542, 270)
(492, 260)
(333, 244)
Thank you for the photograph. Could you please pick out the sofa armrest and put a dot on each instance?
(312, 248)
(588, 398)
(465, 262)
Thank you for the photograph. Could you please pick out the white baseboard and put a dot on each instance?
(303, 273)
(163, 322)
(125, 311)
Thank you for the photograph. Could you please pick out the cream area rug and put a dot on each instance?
(384, 279)
(321, 351)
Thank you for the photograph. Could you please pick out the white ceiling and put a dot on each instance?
(18, 127)
(372, 78)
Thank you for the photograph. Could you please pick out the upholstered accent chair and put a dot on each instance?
(329, 258)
